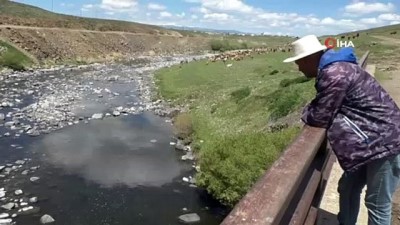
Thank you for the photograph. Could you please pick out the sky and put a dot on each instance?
(275, 17)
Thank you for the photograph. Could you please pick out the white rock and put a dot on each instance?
(18, 192)
(20, 162)
(34, 179)
(97, 116)
(4, 215)
(2, 194)
(185, 179)
(46, 219)
(8, 206)
(26, 209)
(33, 200)
(5, 221)
(189, 218)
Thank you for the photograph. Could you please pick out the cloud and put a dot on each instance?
(241, 15)
(389, 16)
(118, 5)
(165, 14)
(369, 21)
(155, 6)
(181, 15)
(217, 17)
(63, 4)
(227, 5)
(328, 21)
(87, 7)
(366, 8)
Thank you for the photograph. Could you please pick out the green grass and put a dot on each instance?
(12, 58)
(382, 75)
(230, 108)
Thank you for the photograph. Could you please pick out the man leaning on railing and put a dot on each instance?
(363, 127)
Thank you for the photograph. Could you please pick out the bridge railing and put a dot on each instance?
(291, 190)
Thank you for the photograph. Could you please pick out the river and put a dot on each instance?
(117, 167)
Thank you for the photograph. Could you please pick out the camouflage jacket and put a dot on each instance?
(362, 120)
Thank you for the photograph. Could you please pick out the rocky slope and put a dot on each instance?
(60, 45)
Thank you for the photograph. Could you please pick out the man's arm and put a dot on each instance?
(331, 91)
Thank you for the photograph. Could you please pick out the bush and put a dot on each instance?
(285, 100)
(230, 165)
(12, 58)
(274, 72)
(297, 80)
(183, 126)
(216, 45)
(225, 45)
(12, 61)
(240, 94)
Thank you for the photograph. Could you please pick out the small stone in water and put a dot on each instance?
(2, 194)
(185, 179)
(97, 116)
(20, 162)
(8, 206)
(4, 215)
(34, 179)
(189, 218)
(5, 221)
(46, 219)
(153, 141)
(33, 200)
(18, 192)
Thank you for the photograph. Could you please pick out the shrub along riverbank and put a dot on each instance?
(230, 110)
(12, 58)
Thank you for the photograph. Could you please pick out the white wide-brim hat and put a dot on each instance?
(305, 46)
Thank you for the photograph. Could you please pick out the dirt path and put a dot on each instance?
(174, 34)
(388, 40)
(392, 85)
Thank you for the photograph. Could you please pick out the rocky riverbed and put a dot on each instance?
(89, 145)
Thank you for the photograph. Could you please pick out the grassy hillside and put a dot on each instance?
(27, 15)
(231, 110)
(371, 40)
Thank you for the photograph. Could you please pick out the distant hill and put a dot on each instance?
(15, 13)
(201, 29)
(377, 30)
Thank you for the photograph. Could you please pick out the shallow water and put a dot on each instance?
(118, 170)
